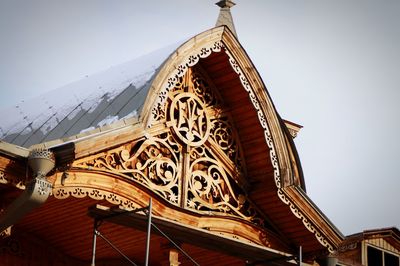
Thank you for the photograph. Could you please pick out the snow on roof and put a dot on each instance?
(94, 101)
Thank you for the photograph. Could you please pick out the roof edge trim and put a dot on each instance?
(216, 40)
(13, 151)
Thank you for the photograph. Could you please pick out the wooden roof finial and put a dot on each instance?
(225, 16)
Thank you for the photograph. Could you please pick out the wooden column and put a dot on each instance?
(170, 255)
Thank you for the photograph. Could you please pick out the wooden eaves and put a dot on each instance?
(276, 184)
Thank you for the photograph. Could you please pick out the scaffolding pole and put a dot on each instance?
(148, 233)
(95, 224)
(300, 255)
(115, 248)
(96, 232)
(176, 245)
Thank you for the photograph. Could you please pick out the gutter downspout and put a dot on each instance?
(41, 161)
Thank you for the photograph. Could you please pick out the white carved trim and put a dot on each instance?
(261, 117)
(94, 193)
(178, 72)
(274, 160)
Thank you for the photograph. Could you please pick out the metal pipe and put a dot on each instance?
(300, 255)
(41, 161)
(148, 233)
(115, 248)
(176, 245)
(94, 243)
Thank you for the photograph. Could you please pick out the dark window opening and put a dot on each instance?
(391, 260)
(374, 257)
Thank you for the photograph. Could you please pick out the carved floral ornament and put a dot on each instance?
(182, 165)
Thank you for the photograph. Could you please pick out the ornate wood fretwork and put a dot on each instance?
(195, 163)
(160, 115)
(274, 159)
(213, 163)
(176, 79)
(152, 163)
(189, 119)
(61, 192)
(211, 188)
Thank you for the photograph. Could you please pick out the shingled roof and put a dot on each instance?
(95, 101)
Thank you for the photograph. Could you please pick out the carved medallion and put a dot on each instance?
(190, 120)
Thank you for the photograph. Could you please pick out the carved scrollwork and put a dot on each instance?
(202, 89)
(209, 188)
(158, 162)
(196, 116)
(224, 135)
(212, 189)
(152, 163)
(182, 70)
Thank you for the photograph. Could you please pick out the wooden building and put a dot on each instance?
(380, 247)
(191, 127)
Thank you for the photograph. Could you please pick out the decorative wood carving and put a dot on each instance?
(158, 114)
(175, 80)
(189, 118)
(268, 138)
(152, 163)
(195, 111)
(211, 188)
(196, 120)
(96, 194)
(195, 163)
(120, 191)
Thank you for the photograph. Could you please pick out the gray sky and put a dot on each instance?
(331, 66)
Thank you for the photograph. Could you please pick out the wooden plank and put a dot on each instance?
(191, 235)
(222, 76)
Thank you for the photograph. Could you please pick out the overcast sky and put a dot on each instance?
(331, 66)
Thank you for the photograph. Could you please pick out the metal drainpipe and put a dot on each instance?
(41, 161)
(331, 260)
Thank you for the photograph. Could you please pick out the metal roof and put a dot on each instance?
(95, 101)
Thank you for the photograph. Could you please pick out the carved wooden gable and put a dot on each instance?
(191, 157)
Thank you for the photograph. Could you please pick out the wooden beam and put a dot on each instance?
(190, 235)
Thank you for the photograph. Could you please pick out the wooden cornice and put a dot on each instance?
(266, 105)
(298, 201)
(97, 185)
(390, 234)
(13, 151)
(193, 235)
(312, 216)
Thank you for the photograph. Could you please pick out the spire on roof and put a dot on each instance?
(225, 16)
